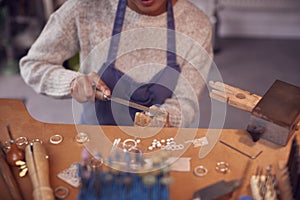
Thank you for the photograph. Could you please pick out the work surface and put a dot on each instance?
(61, 156)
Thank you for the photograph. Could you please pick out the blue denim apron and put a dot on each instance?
(154, 92)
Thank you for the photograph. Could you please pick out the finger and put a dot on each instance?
(87, 90)
(104, 88)
(100, 86)
(75, 92)
(99, 95)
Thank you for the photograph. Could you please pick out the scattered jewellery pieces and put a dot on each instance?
(172, 146)
(222, 167)
(23, 168)
(129, 144)
(14, 154)
(56, 139)
(264, 186)
(81, 137)
(21, 142)
(61, 192)
(241, 152)
(165, 144)
(70, 175)
(199, 142)
(200, 171)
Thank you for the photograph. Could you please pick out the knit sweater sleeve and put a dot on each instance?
(42, 67)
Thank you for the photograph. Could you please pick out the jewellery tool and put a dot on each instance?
(217, 190)
(241, 152)
(38, 168)
(14, 154)
(148, 110)
(274, 116)
(9, 179)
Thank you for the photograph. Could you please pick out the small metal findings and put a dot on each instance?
(222, 167)
(200, 171)
(23, 172)
(56, 139)
(138, 141)
(129, 144)
(166, 144)
(7, 146)
(23, 168)
(36, 140)
(81, 137)
(21, 141)
(150, 148)
(95, 163)
(20, 163)
(61, 192)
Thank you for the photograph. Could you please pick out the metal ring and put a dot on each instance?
(56, 139)
(128, 147)
(82, 137)
(20, 141)
(61, 192)
(203, 170)
(222, 167)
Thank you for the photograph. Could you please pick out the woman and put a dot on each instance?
(86, 25)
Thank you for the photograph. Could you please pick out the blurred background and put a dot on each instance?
(255, 42)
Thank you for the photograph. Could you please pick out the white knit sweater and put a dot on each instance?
(86, 26)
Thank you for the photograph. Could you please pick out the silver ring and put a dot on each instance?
(82, 137)
(20, 141)
(222, 167)
(203, 170)
(56, 139)
(127, 146)
(61, 192)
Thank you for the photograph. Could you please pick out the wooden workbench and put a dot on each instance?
(61, 156)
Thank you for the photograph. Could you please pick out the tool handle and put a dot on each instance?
(38, 167)
(9, 178)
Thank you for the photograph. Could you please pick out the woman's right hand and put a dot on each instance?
(88, 87)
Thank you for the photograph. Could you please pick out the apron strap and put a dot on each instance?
(117, 29)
